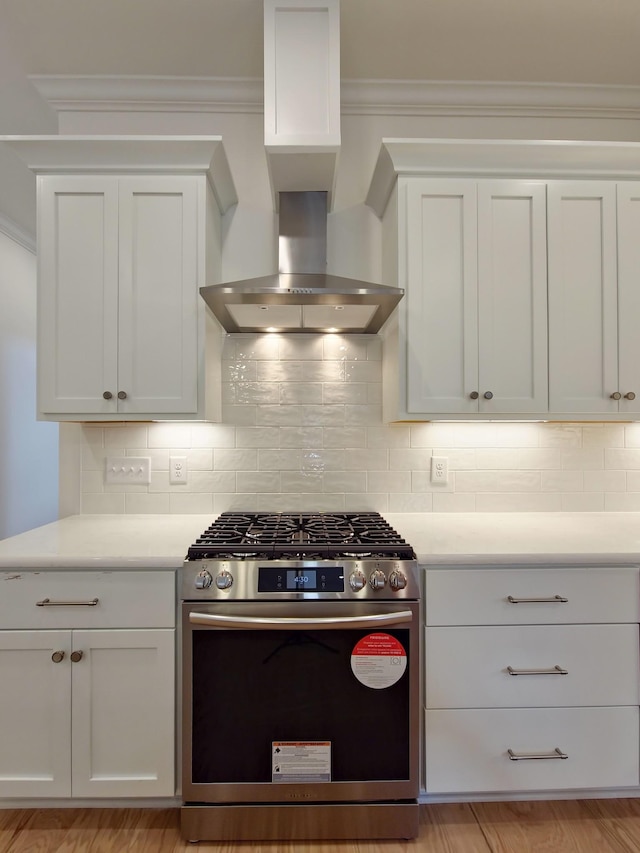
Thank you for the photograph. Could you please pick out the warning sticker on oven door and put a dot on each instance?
(378, 660)
(301, 761)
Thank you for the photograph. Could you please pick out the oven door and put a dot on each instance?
(331, 688)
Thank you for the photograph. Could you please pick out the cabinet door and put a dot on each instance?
(123, 713)
(35, 709)
(583, 305)
(629, 295)
(512, 297)
(442, 293)
(77, 294)
(158, 310)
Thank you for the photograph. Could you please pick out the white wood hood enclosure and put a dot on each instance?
(128, 230)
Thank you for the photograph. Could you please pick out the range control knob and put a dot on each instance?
(224, 579)
(378, 579)
(357, 580)
(203, 580)
(397, 580)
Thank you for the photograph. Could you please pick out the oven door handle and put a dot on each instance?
(274, 623)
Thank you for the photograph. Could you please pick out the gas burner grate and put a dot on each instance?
(303, 536)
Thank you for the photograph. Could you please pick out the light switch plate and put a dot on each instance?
(127, 470)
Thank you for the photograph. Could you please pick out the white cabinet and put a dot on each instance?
(129, 229)
(472, 328)
(531, 679)
(594, 305)
(117, 295)
(469, 234)
(87, 711)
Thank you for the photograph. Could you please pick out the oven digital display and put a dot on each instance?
(326, 579)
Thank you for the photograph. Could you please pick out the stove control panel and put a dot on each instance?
(252, 580)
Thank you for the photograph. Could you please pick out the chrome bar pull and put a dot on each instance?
(554, 599)
(262, 623)
(535, 756)
(556, 670)
(46, 602)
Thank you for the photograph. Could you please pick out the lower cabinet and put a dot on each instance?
(531, 749)
(529, 685)
(87, 712)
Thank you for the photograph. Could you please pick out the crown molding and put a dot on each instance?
(19, 235)
(358, 97)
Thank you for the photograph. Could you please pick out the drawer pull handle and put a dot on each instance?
(556, 670)
(530, 756)
(554, 599)
(46, 602)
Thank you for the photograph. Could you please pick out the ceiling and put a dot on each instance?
(545, 41)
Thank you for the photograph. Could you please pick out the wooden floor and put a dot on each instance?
(583, 826)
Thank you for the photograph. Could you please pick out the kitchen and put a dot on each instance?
(335, 384)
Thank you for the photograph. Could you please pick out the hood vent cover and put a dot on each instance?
(302, 297)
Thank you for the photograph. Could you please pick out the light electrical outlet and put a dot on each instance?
(127, 470)
(177, 470)
(440, 470)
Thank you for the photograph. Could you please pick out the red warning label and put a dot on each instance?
(378, 660)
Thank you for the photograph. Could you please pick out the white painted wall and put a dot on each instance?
(28, 449)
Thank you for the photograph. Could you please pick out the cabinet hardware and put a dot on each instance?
(488, 395)
(530, 756)
(56, 657)
(107, 395)
(555, 599)
(46, 602)
(630, 396)
(122, 395)
(556, 670)
(474, 395)
(616, 395)
(76, 656)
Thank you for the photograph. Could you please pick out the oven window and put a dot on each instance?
(251, 688)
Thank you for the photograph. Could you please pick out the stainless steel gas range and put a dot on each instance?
(300, 679)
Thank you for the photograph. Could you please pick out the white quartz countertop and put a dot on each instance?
(161, 541)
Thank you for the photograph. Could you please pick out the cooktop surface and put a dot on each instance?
(313, 536)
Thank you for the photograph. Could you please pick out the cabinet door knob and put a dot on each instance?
(76, 656)
(56, 657)
(107, 395)
(474, 395)
(616, 395)
(488, 395)
(630, 396)
(122, 395)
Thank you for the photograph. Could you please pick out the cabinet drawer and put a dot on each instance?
(468, 667)
(467, 751)
(482, 596)
(123, 599)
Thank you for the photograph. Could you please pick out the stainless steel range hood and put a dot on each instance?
(302, 297)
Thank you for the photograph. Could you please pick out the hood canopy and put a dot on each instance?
(302, 296)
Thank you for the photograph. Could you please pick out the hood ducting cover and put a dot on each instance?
(302, 297)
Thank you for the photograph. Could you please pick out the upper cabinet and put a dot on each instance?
(129, 229)
(594, 299)
(521, 297)
(475, 296)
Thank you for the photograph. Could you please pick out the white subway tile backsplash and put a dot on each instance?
(225, 459)
(302, 429)
(257, 436)
(626, 459)
(300, 394)
(292, 436)
(355, 394)
(344, 437)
